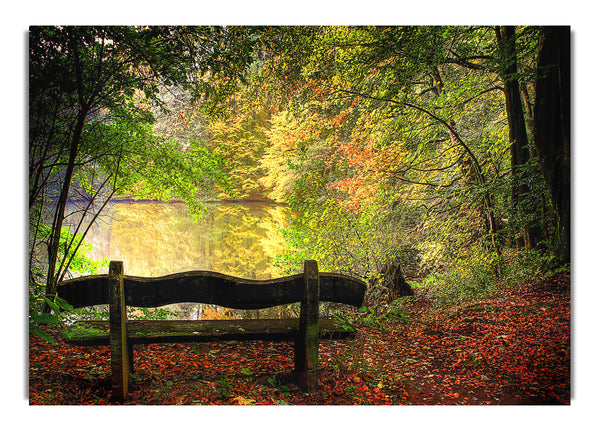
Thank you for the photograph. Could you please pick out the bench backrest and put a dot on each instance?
(211, 288)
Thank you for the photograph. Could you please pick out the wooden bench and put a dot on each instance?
(119, 290)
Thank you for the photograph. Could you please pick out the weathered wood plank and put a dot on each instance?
(85, 291)
(211, 288)
(342, 289)
(306, 349)
(96, 332)
(119, 351)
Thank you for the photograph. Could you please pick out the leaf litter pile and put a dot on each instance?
(511, 348)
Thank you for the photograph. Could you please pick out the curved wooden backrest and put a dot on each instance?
(212, 288)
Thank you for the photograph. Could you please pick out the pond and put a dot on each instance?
(154, 239)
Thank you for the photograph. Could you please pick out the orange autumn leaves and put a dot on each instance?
(367, 167)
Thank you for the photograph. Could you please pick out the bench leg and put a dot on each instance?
(130, 357)
(306, 347)
(119, 350)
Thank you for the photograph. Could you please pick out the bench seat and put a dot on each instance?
(97, 332)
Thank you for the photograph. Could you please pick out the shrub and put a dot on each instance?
(464, 279)
(520, 266)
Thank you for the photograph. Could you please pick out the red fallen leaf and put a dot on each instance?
(535, 348)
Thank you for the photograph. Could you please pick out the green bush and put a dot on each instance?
(464, 279)
(481, 273)
(45, 311)
(49, 311)
(520, 266)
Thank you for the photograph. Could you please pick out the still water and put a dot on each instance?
(154, 239)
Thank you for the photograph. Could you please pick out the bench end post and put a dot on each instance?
(306, 349)
(119, 351)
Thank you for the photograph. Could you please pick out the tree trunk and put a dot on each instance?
(394, 281)
(552, 115)
(59, 215)
(517, 129)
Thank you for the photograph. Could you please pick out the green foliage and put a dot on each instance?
(284, 389)
(291, 160)
(390, 144)
(529, 264)
(76, 255)
(96, 312)
(377, 318)
(52, 310)
(224, 388)
(476, 276)
(162, 171)
(465, 278)
(80, 262)
(39, 318)
(74, 332)
(359, 243)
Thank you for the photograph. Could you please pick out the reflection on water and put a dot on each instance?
(154, 239)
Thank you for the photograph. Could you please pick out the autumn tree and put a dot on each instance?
(438, 119)
(371, 85)
(241, 141)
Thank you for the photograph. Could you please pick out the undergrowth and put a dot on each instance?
(482, 274)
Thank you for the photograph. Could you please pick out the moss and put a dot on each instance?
(87, 331)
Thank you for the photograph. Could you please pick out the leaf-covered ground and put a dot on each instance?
(513, 348)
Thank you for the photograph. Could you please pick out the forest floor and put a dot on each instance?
(511, 348)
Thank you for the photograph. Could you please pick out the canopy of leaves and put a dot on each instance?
(409, 119)
(396, 136)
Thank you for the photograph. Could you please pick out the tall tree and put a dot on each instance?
(552, 114)
(517, 131)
